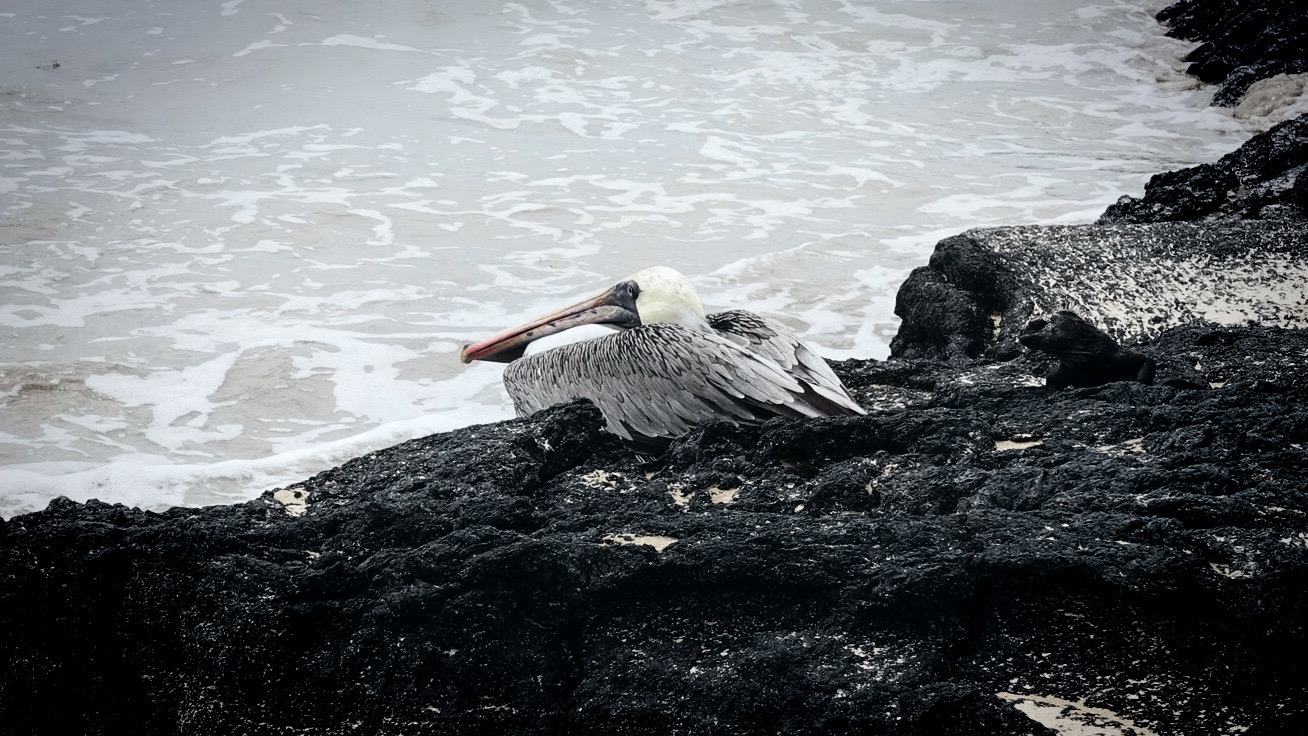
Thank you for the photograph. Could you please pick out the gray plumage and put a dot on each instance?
(659, 381)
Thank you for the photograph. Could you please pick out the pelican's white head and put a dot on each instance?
(657, 295)
(667, 297)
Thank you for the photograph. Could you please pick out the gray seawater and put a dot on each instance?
(243, 240)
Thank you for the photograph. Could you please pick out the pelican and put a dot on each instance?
(661, 366)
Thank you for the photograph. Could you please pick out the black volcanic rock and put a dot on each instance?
(1244, 41)
(1265, 179)
(977, 543)
(982, 287)
(946, 309)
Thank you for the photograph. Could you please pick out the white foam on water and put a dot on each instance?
(157, 482)
(243, 242)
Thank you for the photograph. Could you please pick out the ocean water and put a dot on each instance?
(242, 241)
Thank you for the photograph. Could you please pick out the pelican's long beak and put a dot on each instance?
(508, 346)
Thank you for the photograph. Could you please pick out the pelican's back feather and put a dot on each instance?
(777, 342)
(657, 382)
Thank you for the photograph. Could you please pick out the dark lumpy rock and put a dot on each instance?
(938, 319)
(1265, 179)
(1087, 356)
(979, 286)
(976, 540)
(1243, 41)
(946, 306)
(1133, 281)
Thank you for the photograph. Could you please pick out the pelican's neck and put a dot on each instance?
(684, 312)
(693, 322)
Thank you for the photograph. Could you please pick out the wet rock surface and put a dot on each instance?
(978, 547)
(1244, 44)
(981, 288)
(1265, 179)
(1224, 242)
(1243, 41)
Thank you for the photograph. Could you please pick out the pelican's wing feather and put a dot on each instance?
(777, 342)
(659, 381)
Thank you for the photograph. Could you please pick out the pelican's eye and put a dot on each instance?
(627, 292)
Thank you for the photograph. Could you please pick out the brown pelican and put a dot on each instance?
(663, 366)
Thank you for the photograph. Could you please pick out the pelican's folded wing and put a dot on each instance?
(773, 340)
(658, 382)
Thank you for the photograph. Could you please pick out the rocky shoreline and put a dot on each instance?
(1243, 42)
(980, 554)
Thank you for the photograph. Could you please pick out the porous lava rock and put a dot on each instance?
(1243, 41)
(977, 548)
(1264, 179)
(981, 288)
(1226, 241)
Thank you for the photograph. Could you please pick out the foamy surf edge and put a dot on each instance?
(151, 482)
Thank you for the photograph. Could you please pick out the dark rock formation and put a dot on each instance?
(1244, 41)
(1145, 273)
(980, 288)
(950, 309)
(975, 545)
(1265, 179)
(1086, 355)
